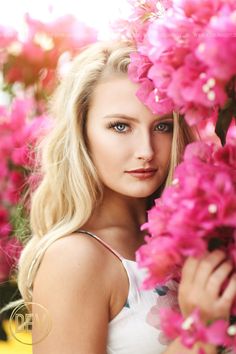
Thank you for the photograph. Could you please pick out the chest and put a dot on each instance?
(129, 329)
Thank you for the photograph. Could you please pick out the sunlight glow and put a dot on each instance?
(97, 14)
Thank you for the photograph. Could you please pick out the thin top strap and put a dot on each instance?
(103, 242)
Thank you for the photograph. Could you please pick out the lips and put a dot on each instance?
(143, 170)
(143, 173)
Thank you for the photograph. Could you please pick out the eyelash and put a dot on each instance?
(113, 125)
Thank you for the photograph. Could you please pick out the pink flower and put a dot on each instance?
(142, 13)
(167, 316)
(5, 227)
(188, 84)
(218, 48)
(226, 156)
(7, 36)
(161, 75)
(14, 187)
(41, 48)
(170, 39)
(160, 258)
(138, 67)
(19, 133)
(192, 52)
(3, 169)
(199, 10)
(158, 103)
(145, 89)
(200, 151)
(191, 330)
(159, 40)
(67, 32)
(221, 333)
(231, 135)
(198, 210)
(19, 155)
(32, 52)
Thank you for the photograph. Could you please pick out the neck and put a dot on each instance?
(119, 211)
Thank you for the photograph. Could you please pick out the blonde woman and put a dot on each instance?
(103, 164)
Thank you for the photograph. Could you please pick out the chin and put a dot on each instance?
(141, 194)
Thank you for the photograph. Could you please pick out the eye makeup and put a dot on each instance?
(123, 128)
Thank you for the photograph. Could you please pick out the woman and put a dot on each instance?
(106, 160)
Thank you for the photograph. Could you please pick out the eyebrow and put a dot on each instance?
(125, 116)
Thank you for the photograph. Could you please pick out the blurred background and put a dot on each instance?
(37, 42)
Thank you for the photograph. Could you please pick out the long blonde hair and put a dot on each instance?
(70, 188)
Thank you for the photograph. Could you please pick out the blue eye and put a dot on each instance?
(165, 127)
(118, 127)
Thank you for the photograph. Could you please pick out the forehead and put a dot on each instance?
(117, 94)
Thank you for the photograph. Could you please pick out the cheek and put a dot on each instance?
(164, 158)
(107, 152)
(163, 148)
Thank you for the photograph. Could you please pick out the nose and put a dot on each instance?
(144, 150)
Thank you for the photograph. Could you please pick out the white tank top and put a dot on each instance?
(129, 331)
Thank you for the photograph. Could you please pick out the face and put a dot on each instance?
(124, 136)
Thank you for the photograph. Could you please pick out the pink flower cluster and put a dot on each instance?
(142, 13)
(192, 330)
(10, 247)
(197, 212)
(186, 55)
(34, 59)
(19, 131)
(32, 62)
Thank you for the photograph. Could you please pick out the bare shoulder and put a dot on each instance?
(71, 283)
(77, 247)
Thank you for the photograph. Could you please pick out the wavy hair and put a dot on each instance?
(70, 188)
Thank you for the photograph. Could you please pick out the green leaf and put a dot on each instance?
(20, 223)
